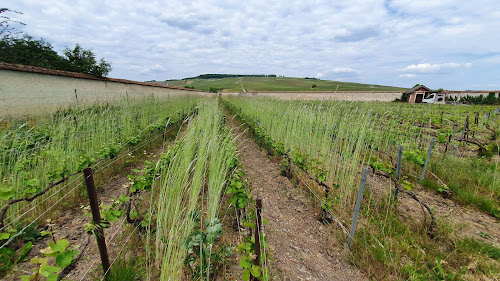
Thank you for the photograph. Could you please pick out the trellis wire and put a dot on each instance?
(48, 209)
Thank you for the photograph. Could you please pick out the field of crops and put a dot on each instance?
(176, 205)
(333, 141)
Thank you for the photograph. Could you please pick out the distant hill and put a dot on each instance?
(262, 83)
(217, 76)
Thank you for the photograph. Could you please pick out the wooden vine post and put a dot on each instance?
(466, 127)
(96, 217)
(257, 235)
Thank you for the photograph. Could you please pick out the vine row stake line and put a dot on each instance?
(96, 217)
(258, 226)
(427, 159)
(356, 209)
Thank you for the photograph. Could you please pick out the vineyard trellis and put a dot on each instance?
(328, 147)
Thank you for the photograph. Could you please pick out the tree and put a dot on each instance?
(29, 51)
(6, 31)
(84, 61)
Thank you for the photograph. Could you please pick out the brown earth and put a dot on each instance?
(465, 221)
(301, 247)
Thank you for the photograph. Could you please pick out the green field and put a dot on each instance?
(253, 84)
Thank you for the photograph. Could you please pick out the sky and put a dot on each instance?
(450, 44)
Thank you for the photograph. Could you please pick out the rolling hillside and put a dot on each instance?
(252, 84)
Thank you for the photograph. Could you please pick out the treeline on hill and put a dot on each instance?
(219, 76)
(27, 50)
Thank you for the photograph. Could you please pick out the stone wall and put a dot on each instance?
(24, 92)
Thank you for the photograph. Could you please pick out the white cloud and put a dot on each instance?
(408, 75)
(344, 70)
(176, 38)
(427, 67)
(148, 69)
(320, 75)
(417, 7)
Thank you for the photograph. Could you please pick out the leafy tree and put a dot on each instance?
(84, 61)
(29, 51)
(33, 52)
(37, 52)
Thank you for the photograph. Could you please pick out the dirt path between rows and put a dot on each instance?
(466, 222)
(302, 248)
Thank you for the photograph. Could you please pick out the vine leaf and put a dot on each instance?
(255, 271)
(64, 259)
(6, 193)
(245, 263)
(246, 275)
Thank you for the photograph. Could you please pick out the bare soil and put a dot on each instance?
(301, 247)
(465, 221)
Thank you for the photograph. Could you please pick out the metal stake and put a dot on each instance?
(398, 171)
(356, 208)
(427, 159)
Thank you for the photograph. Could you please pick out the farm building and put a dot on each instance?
(417, 93)
(422, 94)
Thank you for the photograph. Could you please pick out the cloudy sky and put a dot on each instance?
(451, 44)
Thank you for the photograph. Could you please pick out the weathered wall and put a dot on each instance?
(459, 94)
(349, 96)
(28, 93)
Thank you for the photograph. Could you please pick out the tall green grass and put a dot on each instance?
(189, 191)
(337, 137)
(37, 150)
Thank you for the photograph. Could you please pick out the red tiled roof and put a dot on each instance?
(40, 70)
